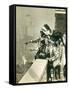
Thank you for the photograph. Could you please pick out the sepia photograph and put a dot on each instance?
(41, 46)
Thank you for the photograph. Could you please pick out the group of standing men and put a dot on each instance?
(52, 48)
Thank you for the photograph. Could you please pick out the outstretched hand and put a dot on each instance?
(26, 43)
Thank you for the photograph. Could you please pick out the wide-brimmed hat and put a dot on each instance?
(45, 28)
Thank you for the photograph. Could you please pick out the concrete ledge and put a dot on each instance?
(35, 72)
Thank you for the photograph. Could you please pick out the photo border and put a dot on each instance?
(39, 6)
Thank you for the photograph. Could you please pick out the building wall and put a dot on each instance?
(60, 23)
(28, 25)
